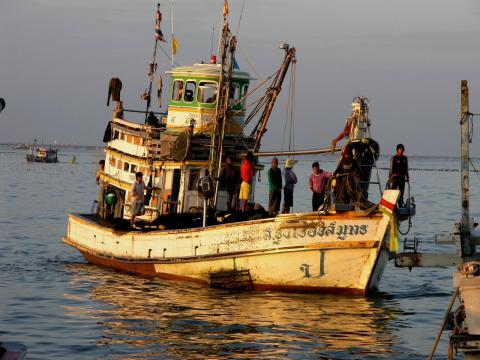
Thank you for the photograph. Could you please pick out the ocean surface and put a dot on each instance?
(60, 307)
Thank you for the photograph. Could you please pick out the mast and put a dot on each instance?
(225, 112)
(467, 244)
(272, 94)
(153, 64)
(220, 120)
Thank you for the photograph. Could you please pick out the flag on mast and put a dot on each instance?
(174, 45)
(225, 8)
(158, 32)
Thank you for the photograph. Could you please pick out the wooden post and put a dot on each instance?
(467, 247)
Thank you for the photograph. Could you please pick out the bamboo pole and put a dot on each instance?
(297, 152)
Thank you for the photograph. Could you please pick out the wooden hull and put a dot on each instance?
(295, 252)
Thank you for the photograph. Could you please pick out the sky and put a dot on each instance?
(407, 57)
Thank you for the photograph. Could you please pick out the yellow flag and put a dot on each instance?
(174, 45)
(393, 235)
(225, 8)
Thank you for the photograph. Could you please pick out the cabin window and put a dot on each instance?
(125, 166)
(116, 135)
(112, 161)
(133, 168)
(207, 92)
(244, 92)
(177, 90)
(193, 179)
(119, 164)
(234, 93)
(168, 179)
(123, 136)
(190, 88)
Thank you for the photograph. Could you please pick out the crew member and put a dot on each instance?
(275, 188)
(346, 130)
(399, 172)
(347, 175)
(290, 181)
(98, 180)
(246, 172)
(100, 172)
(230, 176)
(317, 185)
(137, 197)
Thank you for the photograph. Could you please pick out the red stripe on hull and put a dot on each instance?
(148, 270)
(387, 204)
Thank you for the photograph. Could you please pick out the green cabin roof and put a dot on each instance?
(207, 70)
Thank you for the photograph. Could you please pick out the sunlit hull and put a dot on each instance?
(341, 253)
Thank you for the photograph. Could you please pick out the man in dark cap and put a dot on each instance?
(275, 188)
(230, 177)
(137, 197)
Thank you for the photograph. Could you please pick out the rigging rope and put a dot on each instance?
(168, 56)
(240, 18)
(242, 54)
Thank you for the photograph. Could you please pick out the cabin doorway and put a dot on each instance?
(175, 190)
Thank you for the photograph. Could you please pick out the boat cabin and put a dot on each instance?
(173, 152)
(193, 96)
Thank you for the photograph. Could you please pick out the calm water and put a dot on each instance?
(63, 308)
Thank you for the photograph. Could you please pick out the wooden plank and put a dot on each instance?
(411, 260)
(343, 245)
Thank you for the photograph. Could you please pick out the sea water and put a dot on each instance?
(61, 307)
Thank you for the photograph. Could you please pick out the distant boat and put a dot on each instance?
(42, 154)
(21, 146)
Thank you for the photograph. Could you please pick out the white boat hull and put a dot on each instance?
(303, 252)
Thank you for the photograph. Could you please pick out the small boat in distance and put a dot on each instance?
(42, 154)
(20, 146)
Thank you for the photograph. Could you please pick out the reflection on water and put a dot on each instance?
(154, 318)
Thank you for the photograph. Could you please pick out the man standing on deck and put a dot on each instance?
(137, 197)
(275, 188)
(348, 177)
(346, 130)
(399, 172)
(290, 181)
(98, 180)
(317, 185)
(230, 177)
(246, 172)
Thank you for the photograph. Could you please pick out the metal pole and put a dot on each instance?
(173, 36)
(297, 152)
(204, 212)
(467, 248)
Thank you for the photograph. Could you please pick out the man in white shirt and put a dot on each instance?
(137, 197)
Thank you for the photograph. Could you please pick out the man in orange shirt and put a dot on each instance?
(246, 173)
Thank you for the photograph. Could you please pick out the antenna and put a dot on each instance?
(211, 47)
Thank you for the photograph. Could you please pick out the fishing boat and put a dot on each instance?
(187, 232)
(42, 154)
(21, 146)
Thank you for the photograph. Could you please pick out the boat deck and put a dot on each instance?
(183, 221)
